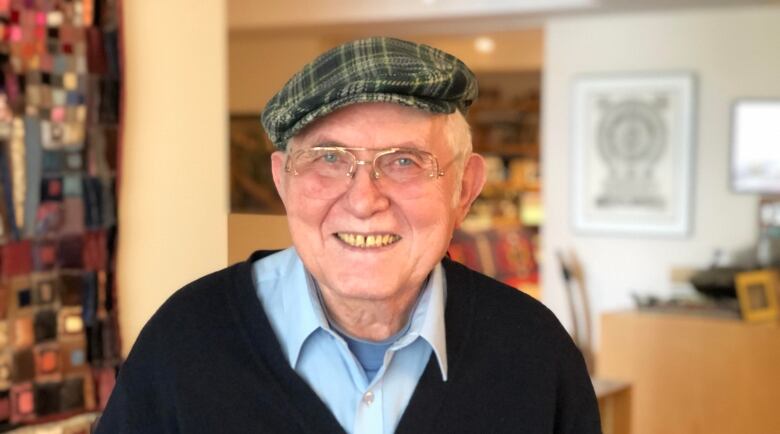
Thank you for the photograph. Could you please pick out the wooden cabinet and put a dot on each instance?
(614, 405)
(694, 375)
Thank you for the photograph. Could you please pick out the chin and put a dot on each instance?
(364, 286)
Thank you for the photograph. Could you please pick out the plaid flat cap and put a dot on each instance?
(375, 69)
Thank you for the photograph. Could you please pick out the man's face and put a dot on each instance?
(325, 230)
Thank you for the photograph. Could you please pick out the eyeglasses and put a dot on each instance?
(328, 170)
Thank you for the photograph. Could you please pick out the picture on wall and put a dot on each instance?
(252, 187)
(755, 154)
(632, 145)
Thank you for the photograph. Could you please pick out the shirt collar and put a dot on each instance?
(282, 286)
(304, 314)
(303, 311)
(428, 316)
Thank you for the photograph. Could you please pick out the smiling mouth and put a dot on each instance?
(367, 241)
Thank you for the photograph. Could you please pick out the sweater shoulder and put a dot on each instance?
(501, 307)
(231, 285)
(205, 300)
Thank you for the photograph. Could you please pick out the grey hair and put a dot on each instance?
(458, 134)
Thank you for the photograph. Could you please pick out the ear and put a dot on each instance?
(471, 184)
(278, 159)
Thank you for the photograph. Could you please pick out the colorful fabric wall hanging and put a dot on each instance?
(60, 93)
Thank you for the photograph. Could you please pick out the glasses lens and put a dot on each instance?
(322, 172)
(406, 165)
(323, 162)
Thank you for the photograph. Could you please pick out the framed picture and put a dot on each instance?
(632, 147)
(757, 292)
(252, 187)
(755, 156)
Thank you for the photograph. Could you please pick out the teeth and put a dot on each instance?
(367, 241)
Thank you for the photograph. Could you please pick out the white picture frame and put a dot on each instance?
(755, 154)
(632, 153)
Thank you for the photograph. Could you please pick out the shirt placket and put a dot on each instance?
(369, 416)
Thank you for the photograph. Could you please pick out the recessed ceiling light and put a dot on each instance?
(484, 44)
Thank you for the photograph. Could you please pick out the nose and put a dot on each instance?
(364, 198)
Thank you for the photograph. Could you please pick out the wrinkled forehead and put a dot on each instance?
(375, 125)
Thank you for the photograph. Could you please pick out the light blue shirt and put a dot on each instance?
(321, 357)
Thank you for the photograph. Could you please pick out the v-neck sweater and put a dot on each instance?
(208, 361)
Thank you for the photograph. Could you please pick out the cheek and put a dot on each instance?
(431, 220)
(306, 213)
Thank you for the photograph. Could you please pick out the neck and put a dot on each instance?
(372, 320)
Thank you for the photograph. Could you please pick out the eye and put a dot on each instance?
(330, 157)
(404, 161)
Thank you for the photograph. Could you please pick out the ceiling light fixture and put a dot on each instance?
(485, 44)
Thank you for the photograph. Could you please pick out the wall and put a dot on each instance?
(519, 50)
(173, 199)
(259, 65)
(250, 232)
(733, 53)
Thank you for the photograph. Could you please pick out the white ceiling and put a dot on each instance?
(431, 16)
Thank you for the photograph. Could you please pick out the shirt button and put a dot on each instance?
(368, 398)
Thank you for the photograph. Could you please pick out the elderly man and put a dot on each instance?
(364, 326)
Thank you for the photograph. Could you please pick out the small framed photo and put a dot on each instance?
(632, 148)
(757, 292)
(252, 187)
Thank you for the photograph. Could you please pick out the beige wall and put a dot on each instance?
(734, 53)
(250, 232)
(519, 50)
(259, 65)
(173, 199)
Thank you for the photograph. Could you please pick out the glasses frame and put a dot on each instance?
(437, 172)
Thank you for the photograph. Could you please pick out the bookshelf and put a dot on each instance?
(501, 234)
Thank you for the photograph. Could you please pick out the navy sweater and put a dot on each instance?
(209, 362)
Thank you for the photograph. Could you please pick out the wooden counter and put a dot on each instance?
(694, 375)
(614, 405)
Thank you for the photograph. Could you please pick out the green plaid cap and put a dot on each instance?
(369, 70)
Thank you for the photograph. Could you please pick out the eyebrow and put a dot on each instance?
(328, 143)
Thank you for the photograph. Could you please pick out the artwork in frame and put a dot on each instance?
(632, 153)
(757, 292)
(755, 155)
(252, 187)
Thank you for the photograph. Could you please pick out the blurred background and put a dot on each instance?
(631, 184)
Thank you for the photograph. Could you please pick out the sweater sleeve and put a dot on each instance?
(577, 409)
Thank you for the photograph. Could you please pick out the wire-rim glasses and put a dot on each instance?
(331, 168)
(397, 164)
